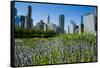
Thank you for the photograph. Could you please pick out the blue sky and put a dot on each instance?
(41, 11)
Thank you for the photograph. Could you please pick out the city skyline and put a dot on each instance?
(41, 12)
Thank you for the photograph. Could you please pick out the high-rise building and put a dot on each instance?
(28, 19)
(68, 30)
(58, 29)
(89, 23)
(28, 22)
(29, 11)
(48, 22)
(17, 21)
(61, 23)
(22, 21)
(48, 19)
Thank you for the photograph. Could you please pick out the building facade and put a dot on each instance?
(28, 19)
(61, 23)
(89, 23)
(17, 21)
(73, 28)
(40, 25)
(53, 27)
(22, 21)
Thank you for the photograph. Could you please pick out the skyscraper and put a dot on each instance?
(58, 29)
(28, 19)
(61, 23)
(28, 22)
(89, 23)
(48, 22)
(48, 19)
(29, 11)
(17, 21)
(22, 21)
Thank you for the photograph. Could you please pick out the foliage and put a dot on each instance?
(64, 48)
(31, 33)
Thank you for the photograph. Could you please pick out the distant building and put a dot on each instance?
(28, 19)
(73, 28)
(48, 19)
(61, 23)
(76, 29)
(29, 11)
(82, 25)
(45, 27)
(48, 22)
(68, 30)
(58, 29)
(40, 25)
(74, 25)
(17, 21)
(28, 22)
(16, 18)
(22, 21)
(79, 28)
(53, 27)
(89, 23)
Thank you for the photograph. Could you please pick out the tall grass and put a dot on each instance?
(65, 48)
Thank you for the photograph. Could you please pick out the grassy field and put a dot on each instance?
(65, 48)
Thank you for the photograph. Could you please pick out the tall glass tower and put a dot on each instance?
(28, 19)
(29, 11)
(61, 23)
